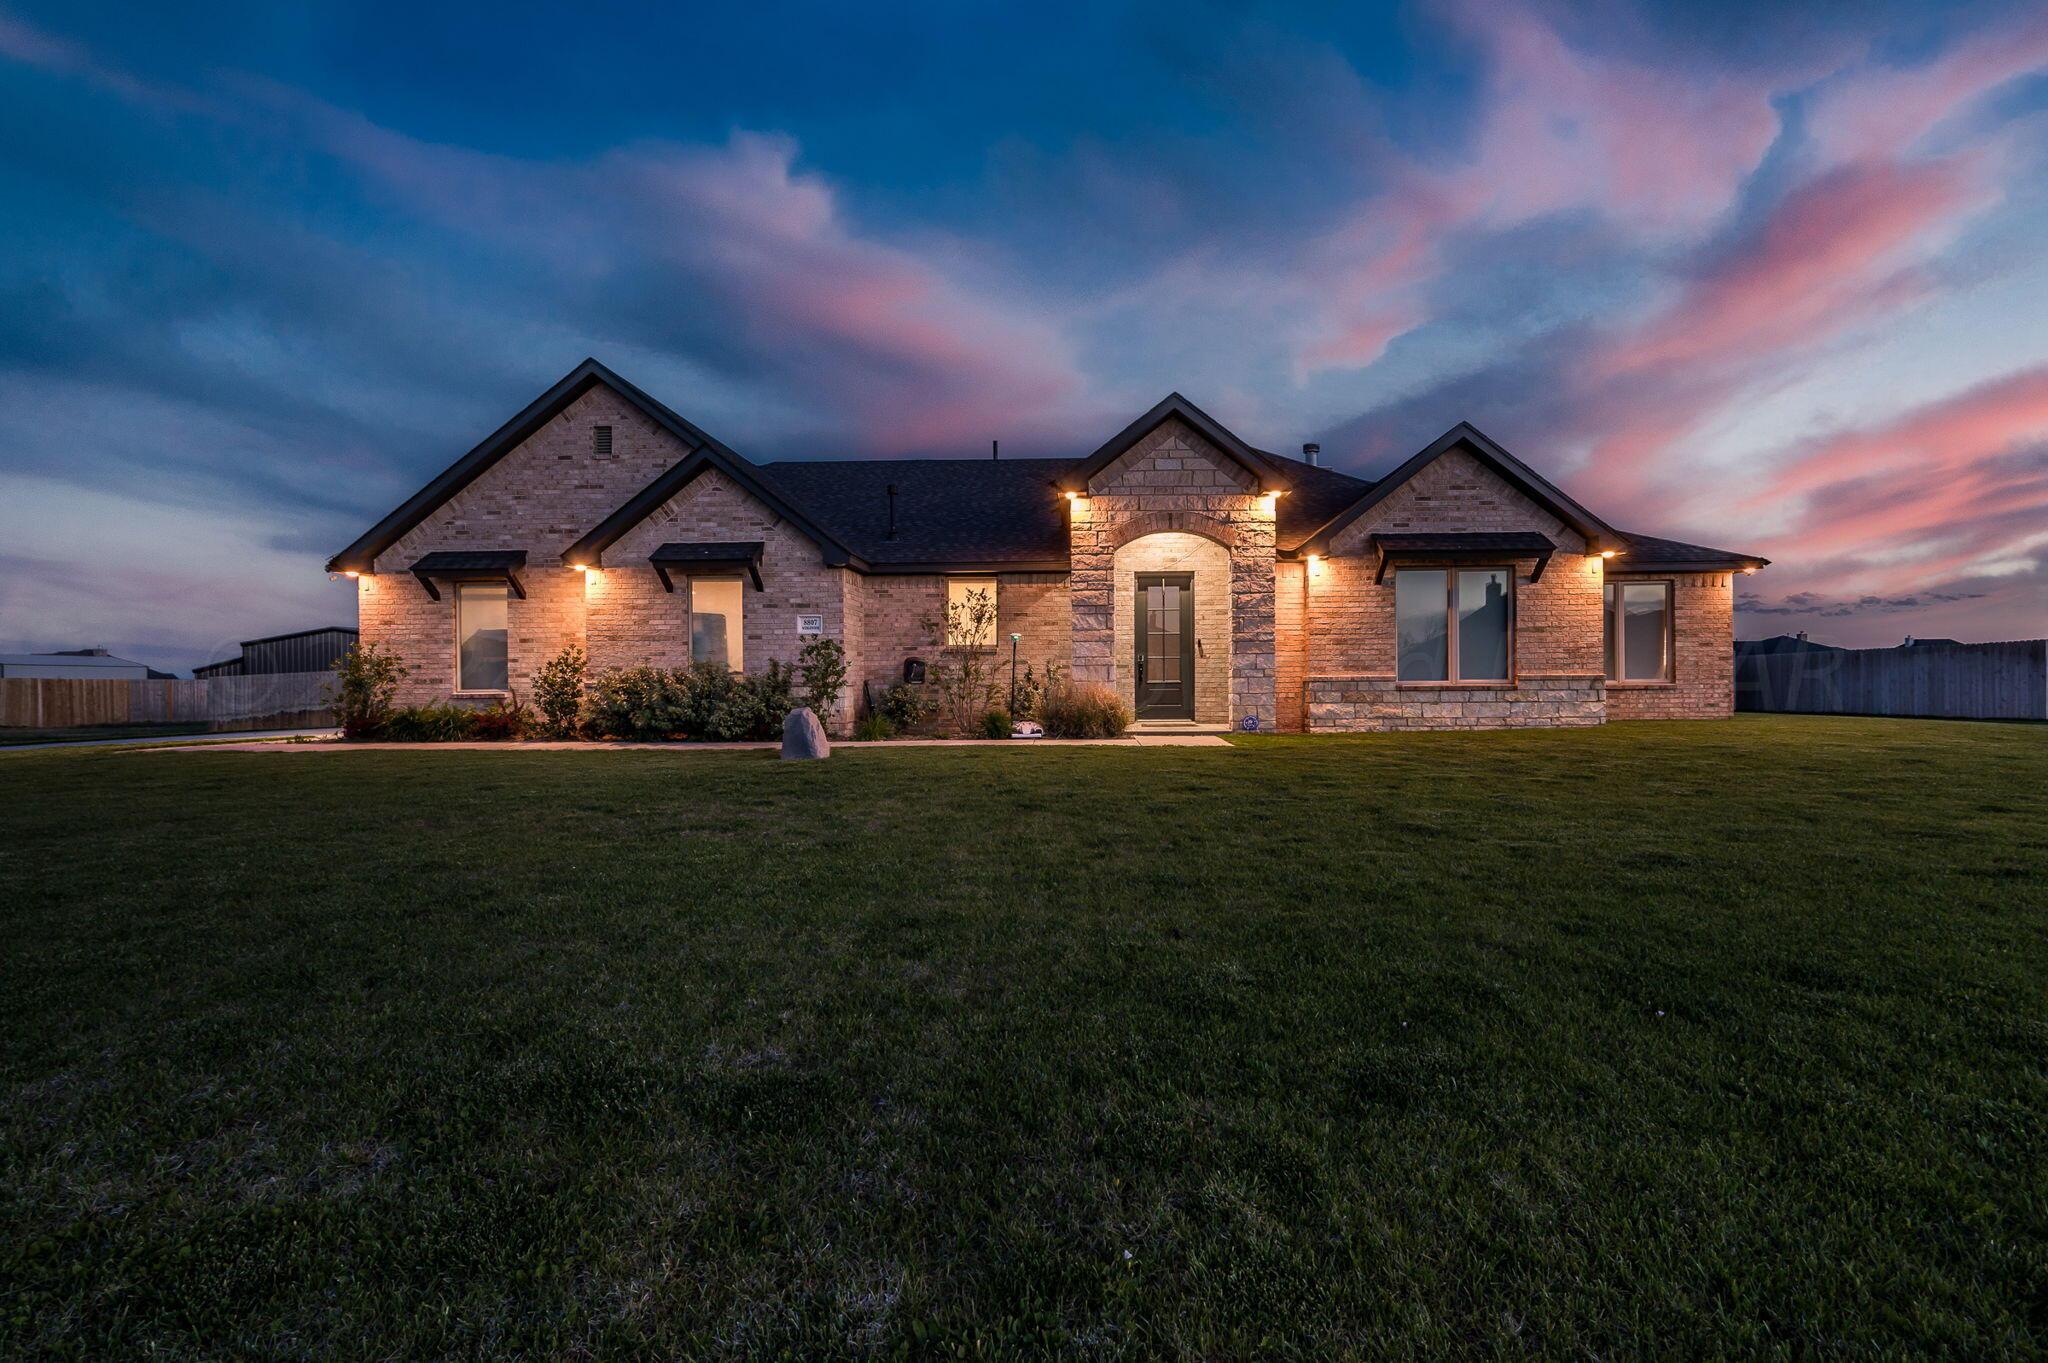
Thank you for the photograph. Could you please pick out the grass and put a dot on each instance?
(94, 732)
(1653, 1040)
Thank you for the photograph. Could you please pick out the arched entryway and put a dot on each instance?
(1171, 623)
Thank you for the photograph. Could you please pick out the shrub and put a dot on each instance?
(997, 724)
(506, 720)
(966, 682)
(873, 729)
(905, 706)
(1083, 712)
(634, 702)
(558, 692)
(703, 700)
(822, 664)
(1031, 688)
(364, 688)
(430, 724)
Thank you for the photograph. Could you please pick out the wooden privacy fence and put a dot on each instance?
(1939, 681)
(281, 699)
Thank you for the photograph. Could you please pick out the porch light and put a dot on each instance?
(351, 572)
(1748, 571)
(1607, 553)
(1070, 496)
(580, 567)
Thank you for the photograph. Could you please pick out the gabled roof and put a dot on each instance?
(360, 556)
(1269, 476)
(1648, 553)
(644, 503)
(1465, 436)
(957, 514)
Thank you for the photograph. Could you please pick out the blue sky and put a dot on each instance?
(1769, 280)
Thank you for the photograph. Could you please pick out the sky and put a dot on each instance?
(1766, 277)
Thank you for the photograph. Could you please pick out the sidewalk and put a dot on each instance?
(1125, 741)
(244, 742)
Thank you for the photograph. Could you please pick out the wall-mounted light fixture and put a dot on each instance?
(1607, 553)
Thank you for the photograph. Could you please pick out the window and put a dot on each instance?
(480, 637)
(1453, 624)
(601, 441)
(1639, 631)
(715, 621)
(970, 612)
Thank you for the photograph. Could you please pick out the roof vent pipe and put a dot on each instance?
(1313, 453)
(995, 449)
(892, 512)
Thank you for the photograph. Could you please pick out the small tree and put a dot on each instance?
(822, 664)
(558, 692)
(364, 689)
(966, 681)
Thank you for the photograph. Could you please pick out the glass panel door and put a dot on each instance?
(1165, 646)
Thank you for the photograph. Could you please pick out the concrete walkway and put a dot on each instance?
(1127, 741)
(237, 741)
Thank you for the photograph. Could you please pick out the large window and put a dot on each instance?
(1453, 625)
(970, 612)
(480, 637)
(1639, 631)
(715, 622)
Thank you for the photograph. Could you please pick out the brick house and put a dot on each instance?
(1207, 581)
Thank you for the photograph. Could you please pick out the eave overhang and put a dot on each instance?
(470, 565)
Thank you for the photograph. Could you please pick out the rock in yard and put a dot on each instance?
(803, 737)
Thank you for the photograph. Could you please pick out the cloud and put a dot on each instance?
(1885, 111)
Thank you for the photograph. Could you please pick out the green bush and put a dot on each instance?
(558, 692)
(997, 724)
(703, 701)
(430, 724)
(822, 664)
(873, 729)
(1031, 687)
(1088, 711)
(906, 706)
(364, 688)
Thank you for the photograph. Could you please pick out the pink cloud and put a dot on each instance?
(1885, 111)
(1822, 261)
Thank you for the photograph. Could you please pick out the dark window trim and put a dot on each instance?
(1612, 647)
(1451, 679)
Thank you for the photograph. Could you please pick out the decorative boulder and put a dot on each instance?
(803, 737)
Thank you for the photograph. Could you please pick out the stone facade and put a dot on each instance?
(1172, 551)
(1301, 646)
(1173, 481)
(1702, 684)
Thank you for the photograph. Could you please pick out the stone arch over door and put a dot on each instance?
(1146, 523)
(1207, 558)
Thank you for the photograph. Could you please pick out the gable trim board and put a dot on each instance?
(1263, 470)
(590, 549)
(361, 556)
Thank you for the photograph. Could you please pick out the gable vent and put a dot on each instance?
(601, 441)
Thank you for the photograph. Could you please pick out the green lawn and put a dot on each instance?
(1655, 1040)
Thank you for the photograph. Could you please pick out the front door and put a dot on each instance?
(1166, 646)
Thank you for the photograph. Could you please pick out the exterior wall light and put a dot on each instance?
(1607, 553)
(580, 567)
(1748, 571)
(351, 572)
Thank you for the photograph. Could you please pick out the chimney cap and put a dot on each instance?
(1309, 451)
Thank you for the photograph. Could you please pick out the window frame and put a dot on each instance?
(1613, 644)
(462, 589)
(1450, 572)
(995, 598)
(690, 581)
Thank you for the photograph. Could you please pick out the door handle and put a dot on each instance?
(1141, 667)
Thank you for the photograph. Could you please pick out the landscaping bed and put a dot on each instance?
(1673, 1040)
